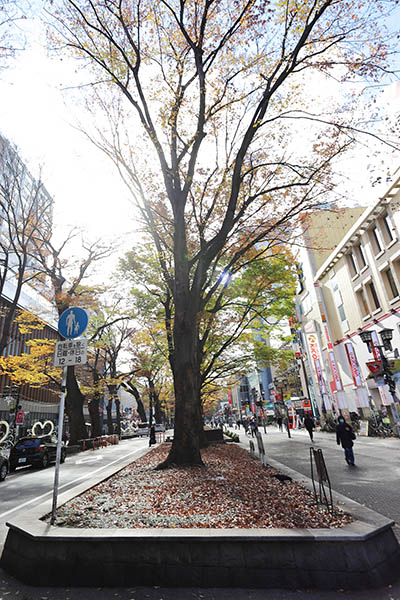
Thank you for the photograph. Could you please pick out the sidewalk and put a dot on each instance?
(288, 451)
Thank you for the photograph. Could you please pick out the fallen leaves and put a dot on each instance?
(232, 491)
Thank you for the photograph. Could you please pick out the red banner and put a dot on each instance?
(375, 366)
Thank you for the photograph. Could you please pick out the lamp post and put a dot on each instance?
(386, 337)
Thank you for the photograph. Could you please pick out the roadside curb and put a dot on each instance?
(363, 554)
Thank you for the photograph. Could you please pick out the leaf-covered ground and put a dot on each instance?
(233, 490)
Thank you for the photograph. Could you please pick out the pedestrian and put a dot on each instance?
(253, 427)
(309, 425)
(279, 420)
(345, 436)
(238, 424)
(246, 426)
(286, 423)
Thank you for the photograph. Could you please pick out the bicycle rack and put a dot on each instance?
(324, 494)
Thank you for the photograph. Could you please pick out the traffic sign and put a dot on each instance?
(73, 322)
(70, 352)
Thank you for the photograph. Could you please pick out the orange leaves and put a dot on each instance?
(232, 491)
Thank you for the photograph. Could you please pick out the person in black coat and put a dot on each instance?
(345, 436)
(309, 425)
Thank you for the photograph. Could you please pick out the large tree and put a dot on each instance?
(218, 89)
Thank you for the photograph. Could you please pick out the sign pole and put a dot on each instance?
(71, 324)
(59, 442)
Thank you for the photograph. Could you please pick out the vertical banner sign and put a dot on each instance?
(335, 372)
(355, 371)
(230, 396)
(375, 346)
(338, 386)
(313, 344)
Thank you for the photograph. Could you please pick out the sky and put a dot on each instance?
(37, 117)
(37, 114)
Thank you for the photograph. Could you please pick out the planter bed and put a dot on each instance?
(298, 545)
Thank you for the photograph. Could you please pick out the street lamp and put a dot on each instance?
(386, 337)
(366, 337)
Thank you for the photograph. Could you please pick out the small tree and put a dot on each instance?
(26, 217)
(67, 277)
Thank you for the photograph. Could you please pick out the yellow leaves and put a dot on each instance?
(28, 322)
(34, 368)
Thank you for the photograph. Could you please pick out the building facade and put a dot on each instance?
(352, 289)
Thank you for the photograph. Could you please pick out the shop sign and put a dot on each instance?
(363, 428)
(375, 345)
(320, 376)
(386, 398)
(375, 366)
(355, 371)
(19, 420)
(335, 372)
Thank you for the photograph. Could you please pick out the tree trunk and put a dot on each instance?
(156, 402)
(185, 448)
(129, 387)
(158, 412)
(95, 415)
(74, 407)
(118, 411)
(110, 426)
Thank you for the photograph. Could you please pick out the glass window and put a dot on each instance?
(361, 255)
(376, 241)
(362, 302)
(390, 284)
(373, 296)
(342, 313)
(387, 228)
(352, 264)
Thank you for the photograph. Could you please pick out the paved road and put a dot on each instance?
(27, 487)
(375, 483)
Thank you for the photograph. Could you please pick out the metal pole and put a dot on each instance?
(59, 442)
(391, 388)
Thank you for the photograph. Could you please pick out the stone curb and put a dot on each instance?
(363, 554)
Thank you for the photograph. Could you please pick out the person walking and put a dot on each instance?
(286, 423)
(253, 427)
(345, 436)
(279, 420)
(309, 425)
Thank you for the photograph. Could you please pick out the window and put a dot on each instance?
(300, 278)
(390, 284)
(373, 296)
(387, 228)
(396, 268)
(338, 300)
(362, 302)
(352, 262)
(342, 314)
(306, 304)
(376, 240)
(361, 256)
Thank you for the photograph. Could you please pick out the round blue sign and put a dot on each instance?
(73, 322)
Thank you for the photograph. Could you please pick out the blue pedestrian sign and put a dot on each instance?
(73, 322)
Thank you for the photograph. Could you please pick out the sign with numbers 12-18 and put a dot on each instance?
(70, 352)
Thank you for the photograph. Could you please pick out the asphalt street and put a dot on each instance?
(374, 482)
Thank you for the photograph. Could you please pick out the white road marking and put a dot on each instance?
(89, 459)
(8, 512)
